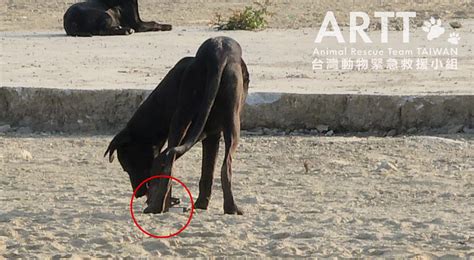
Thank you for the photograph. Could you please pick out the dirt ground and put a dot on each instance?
(28, 15)
(360, 197)
(36, 53)
(279, 60)
(307, 196)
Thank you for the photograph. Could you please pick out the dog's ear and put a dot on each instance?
(119, 140)
(110, 151)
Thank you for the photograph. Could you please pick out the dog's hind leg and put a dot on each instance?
(233, 92)
(231, 137)
(118, 30)
(110, 26)
(210, 149)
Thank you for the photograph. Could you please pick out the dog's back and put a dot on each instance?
(150, 122)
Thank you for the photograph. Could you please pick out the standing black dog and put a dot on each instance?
(107, 17)
(200, 98)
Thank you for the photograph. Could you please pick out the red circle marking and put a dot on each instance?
(190, 215)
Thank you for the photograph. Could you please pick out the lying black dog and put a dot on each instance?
(204, 94)
(107, 17)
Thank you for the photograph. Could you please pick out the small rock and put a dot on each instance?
(460, 15)
(455, 129)
(25, 155)
(306, 167)
(386, 166)
(330, 133)
(468, 130)
(269, 131)
(455, 25)
(24, 130)
(391, 133)
(252, 200)
(5, 128)
(366, 236)
(3, 246)
(322, 128)
(251, 132)
(179, 210)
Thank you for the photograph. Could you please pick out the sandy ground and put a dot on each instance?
(42, 15)
(361, 196)
(59, 197)
(279, 60)
(35, 52)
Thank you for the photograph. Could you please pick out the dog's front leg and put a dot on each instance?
(159, 191)
(152, 26)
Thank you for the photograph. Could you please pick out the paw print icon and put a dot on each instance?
(454, 38)
(433, 28)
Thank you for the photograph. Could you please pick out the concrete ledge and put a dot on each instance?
(106, 111)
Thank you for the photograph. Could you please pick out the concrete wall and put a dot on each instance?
(106, 111)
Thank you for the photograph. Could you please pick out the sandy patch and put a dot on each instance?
(44, 15)
(59, 197)
(279, 60)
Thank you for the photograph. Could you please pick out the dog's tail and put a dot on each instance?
(120, 139)
(214, 75)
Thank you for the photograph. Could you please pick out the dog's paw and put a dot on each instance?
(233, 211)
(153, 210)
(201, 204)
(165, 27)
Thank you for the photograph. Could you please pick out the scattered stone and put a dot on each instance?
(24, 130)
(303, 131)
(367, 236)
(306, 167)
(330, 133)
(268, 131)
(5, 128)
(468, 130)
(412, 130)
(460, 15)
(391, 133)
(179, 210)
(455, 25)
(448, 195)
(297, 76)
(294, 133)
(455, 129)
(25, 155)
(252, 200)
(322, 128)
(252, 132)
(386, 166)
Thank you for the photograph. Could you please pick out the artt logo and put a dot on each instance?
(359, 29)
(434, 28)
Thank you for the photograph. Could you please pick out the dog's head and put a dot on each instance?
(135, 159)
